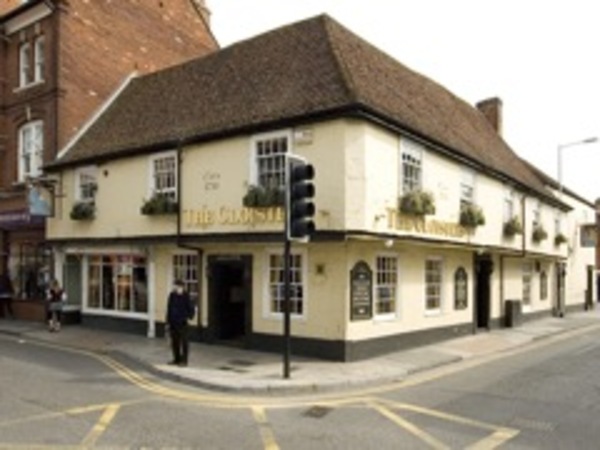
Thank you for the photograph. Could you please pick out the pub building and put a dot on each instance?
(428, 224)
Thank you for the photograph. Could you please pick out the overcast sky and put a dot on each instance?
(540, 57)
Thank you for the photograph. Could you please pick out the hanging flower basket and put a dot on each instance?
(560, 239)
(471, 216)
(513, 227)
(159, 204)
(83, 211)
(539, 234)
(417, 203)
(261, 197)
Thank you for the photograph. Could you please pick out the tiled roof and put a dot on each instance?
(301, 71)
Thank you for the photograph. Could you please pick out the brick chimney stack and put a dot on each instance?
(491, 108)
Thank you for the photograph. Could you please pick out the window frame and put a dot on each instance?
(39, 58)
(434, 311)
(26, 76)
(527, 284)
(153, 188)
(394, 312)
(508, 210)
(36, 128)
(467, 184)
(88, 171)
(191, 274)
(411, 158)
(255, 164)
(268, 311)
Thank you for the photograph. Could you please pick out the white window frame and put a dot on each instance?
(557, 224)
(411, 155)
(537, 215)
(467, 187)
(31, 135)
(396, 286)
(171, 191)
(255, 176)
(86, 172)
(508, 208)
(25, 72)
(184, 267)
(267, 310)
(434, 311)
(39, 58)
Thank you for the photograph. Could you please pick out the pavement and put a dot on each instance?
(237, 370)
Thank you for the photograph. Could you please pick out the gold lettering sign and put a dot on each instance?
(400, 222)
(205, 218)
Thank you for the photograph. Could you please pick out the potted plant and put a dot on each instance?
(261, 197)
(159, 203)
(83, 211)
(538, 234)
(471, 216)
(513, 226)
(417, 203)
(560, 239)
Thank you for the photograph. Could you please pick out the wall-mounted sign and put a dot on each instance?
(361, 292)
(400, 222)
(205, 217)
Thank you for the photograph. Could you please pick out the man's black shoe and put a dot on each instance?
(182, 364)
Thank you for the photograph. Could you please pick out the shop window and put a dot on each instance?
(31, 145)
(118, 283)
(276, 284)
(29, 266)
(527, 276)
(386, 287)
(433, 285)
(185, 268)
(411, 155)
(270, 154)
(164, 175)
(461, 289)
(544, 286)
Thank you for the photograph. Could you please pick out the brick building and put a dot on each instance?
(59, 62)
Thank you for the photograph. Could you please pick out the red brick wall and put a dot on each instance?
(102, 42)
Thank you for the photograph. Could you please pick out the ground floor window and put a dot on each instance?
(387, 285)
(118, 283)
(277, 280)
(527, 274)
(544, 286)
(433, 285)
(185, 268)
(29, 266)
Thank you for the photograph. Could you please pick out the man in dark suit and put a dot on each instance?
(180, 309)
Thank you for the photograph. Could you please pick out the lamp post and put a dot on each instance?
(559, 150)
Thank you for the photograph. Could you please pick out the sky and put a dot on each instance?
(540, 57)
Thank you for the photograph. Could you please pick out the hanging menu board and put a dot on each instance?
(361, 292)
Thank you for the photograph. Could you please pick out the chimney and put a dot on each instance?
(491, 108)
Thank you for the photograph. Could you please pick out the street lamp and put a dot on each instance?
(559, 150)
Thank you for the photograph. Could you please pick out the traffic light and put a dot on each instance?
(300, 208)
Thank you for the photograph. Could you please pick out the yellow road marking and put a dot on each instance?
(494, 440)
(410, 427)
(107, 417)
(266, 432)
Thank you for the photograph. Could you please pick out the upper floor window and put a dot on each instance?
(86, 184)
(387, 285)
(39, 59)
(467, 187)
(25, 72)
(31, 147)
(411, 171)
(270, 160)
(557, 224)
(164, 175)
(537, 215)
(509, 207)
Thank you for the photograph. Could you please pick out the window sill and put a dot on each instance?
(391, 317)
(25, 87)
(433, 312)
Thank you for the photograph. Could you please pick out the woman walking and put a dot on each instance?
(55, 303)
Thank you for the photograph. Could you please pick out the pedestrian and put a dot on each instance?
(6, 295)
(180, 309)
(56, 297)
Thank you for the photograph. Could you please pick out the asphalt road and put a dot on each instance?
(545, 396)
